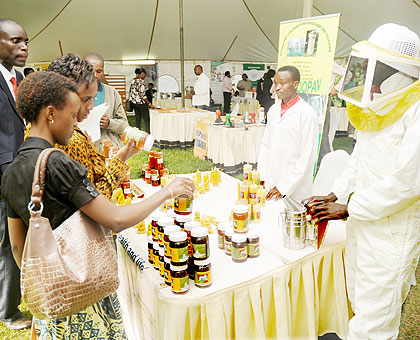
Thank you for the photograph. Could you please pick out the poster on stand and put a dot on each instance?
(309, 45)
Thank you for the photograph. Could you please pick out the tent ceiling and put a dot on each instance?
(122, 29)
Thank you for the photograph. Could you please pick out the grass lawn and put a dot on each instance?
(183, 161)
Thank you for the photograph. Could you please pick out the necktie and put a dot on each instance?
(14, 83)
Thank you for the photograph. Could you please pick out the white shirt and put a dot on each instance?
(7, 76)
(227, 84)
(202, 91)
(289, 150)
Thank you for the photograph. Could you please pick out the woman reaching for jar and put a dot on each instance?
(50, 103)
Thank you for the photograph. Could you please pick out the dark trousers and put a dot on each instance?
(9, 272)
(227, 96)
(142, 111)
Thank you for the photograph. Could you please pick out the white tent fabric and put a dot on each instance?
(122, 29)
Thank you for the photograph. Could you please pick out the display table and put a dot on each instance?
(283, 294)
(230, 148)
(171, 103)
(175, 128)
(245, 104)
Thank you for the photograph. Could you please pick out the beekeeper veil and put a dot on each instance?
(383, 77)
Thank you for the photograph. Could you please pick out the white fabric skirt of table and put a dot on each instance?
(282, 294)
(245, 104)
(176, 126)
(171, 103)
(338, 118)
(231, 147)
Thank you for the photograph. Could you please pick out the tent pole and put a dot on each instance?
(307, 8)
(181, 50)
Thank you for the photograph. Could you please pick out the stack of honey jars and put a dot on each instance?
(250, 194)
(154, 170)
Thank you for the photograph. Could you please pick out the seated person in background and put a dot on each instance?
(50, 103)
(150, 93)
(244, 85)
(114, 121)
(290, 141)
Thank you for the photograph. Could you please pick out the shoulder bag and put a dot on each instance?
(69, 268)
(128, 103)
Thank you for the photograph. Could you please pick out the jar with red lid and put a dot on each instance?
(154, 177)
(152, 160)
(159, 160)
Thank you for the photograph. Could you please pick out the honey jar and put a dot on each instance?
(152, 160)
(180, 220)
(221, 234)
(150, 249)
(247, 173)
(156, 255)
(147, 177)
(188, 226)
(252, 194)
(161, 262)
(154, 177)
(180, 279)
(167, 267)
(202, 273)
(256, 177)
(256, 213)
(179, 247)
(143, 171)
(106, 143)
(159, 160)
(167, 231)
(253, 243)
(200, 243)
(183, 205)
(142, 140)
(244, 192)
(239, 248)
(155, 217)
(261, 196)
(228, 240)
(240, 218)
(162, 223)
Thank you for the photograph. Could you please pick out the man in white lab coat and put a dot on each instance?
(290, 142)
(383, 226)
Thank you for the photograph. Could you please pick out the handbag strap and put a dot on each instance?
(38, 184)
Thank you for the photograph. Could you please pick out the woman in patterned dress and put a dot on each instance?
(50, 102)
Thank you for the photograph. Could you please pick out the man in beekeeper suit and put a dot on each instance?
(383, 226)
(290, 142)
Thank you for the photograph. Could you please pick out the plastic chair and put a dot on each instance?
(332, 165)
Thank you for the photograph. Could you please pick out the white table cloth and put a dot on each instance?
(230, 148)
(175, 126)
(281, 294)
(171, 103)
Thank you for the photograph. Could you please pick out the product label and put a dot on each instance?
(182, 204)
(161, 269)
(203, 278)
(253, 249)
(167, 276)
(239, 253)
(160, 237)
(257, 215)
(156, 261)
(180, 284)
(240, 226)
(155, 177)
(166, 245)
(154, 232)
(179, 254)
(258, 199)
(150, 255)
(247, 176)
(228, 247)
(220, 241)
(244, 194)
(256, 181)
(159, 160)
(200, 250)
(252, 195)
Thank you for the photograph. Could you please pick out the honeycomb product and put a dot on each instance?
(261, 196)
(252, 194)
(255, 175)
(247, 173)
(256, 213)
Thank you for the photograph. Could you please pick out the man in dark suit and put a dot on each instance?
(13, 52)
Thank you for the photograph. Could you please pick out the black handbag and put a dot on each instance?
(128, 104)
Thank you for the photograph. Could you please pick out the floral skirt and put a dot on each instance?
(100, 321)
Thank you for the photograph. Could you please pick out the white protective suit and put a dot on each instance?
(289, 150)
(383, 228)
